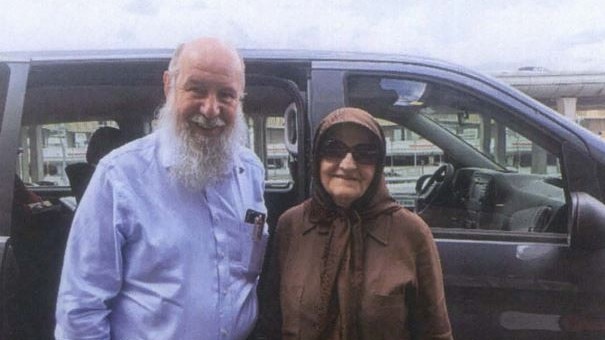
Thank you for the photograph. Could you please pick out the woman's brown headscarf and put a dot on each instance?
(342, 260)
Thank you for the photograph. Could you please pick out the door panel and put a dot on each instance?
(507, 291)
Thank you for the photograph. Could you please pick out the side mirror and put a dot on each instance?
(291, 129)
(587, 221)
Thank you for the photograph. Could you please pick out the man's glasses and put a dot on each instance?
(334, 149)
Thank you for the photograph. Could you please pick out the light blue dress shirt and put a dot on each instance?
(149, 259)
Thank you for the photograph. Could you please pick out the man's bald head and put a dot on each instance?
(212, 52)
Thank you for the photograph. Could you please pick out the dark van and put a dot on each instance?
(513, 191)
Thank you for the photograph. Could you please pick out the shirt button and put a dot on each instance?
(224, 331)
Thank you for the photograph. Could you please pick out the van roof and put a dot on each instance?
(265, 54)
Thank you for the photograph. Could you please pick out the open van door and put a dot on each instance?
(275, 111)
(13, 79)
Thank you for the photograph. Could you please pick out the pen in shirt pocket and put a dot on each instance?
(257, 219)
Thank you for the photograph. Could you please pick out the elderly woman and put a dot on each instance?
(351, 263)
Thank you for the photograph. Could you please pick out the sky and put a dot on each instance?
(486, 35)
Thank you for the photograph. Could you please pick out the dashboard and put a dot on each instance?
(496, 200)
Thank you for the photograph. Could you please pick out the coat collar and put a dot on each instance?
(379, 232)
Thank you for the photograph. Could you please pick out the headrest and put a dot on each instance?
(102, 141)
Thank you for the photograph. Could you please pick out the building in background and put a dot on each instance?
(580, 96)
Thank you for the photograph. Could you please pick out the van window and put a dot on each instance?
(266, 138)
(276, 162)
(461, 162)
(45, 150)
(409, 156)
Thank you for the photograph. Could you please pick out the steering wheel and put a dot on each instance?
(429, 187)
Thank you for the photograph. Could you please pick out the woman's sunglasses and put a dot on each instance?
(334, 149)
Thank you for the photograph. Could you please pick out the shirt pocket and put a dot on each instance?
(251, 248)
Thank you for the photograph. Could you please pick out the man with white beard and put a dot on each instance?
(169, 238)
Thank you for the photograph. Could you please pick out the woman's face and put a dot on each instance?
(347, 163)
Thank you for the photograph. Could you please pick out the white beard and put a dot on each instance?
(200, 160)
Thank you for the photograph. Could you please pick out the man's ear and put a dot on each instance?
(167, 83)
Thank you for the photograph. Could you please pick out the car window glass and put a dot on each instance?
(276, 162)
(266, 138)
(408, 157)
(45, 150)
(461, 162)
(503, 145)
